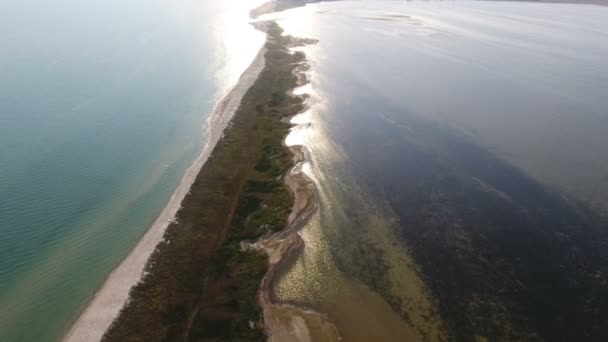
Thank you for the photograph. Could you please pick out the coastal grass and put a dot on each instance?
(201, 282)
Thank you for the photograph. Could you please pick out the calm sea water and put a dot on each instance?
(397, 87)
(103, 105)
(524, 80)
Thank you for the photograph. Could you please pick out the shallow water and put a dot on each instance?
(392, 81)
(104, 105)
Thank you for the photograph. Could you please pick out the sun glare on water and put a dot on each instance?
(236, 43)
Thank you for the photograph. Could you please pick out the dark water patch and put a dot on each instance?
(506, 258)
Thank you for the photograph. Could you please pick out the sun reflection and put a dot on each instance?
(296, 22)
(237, 44)
(305, 89)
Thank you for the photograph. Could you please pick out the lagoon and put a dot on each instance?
(458, 151)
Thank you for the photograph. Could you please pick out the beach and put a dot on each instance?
(99, 128)
(114, 293)
(236, 199)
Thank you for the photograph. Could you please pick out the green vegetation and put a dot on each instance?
(202, 280)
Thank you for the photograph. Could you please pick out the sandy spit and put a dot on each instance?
(286, 322)
(114, 293)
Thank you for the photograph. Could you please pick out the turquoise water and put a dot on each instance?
(103, 105)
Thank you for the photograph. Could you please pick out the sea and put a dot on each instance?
(103, 107)
(418, 109)
(444, 138)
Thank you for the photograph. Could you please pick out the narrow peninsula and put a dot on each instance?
(202, 281)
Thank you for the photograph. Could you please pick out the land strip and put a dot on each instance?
(202, 281)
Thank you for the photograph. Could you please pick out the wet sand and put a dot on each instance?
(286, 322)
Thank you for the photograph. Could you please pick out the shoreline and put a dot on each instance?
(114, 293)
(282, 321)
(285, 321)
(203, 280)
(104, 316)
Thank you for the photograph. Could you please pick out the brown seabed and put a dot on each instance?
(285, 322)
